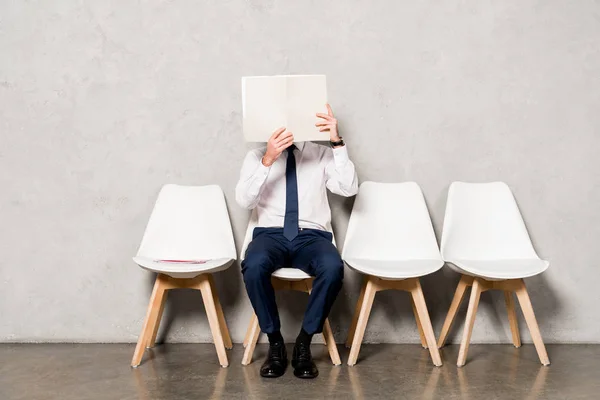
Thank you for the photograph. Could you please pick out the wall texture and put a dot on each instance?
(101, 103)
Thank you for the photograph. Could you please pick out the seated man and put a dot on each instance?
(289, 194)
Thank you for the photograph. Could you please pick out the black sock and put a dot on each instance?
(304, 337)
(275, 337)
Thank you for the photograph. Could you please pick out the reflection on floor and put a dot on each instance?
(191, 371)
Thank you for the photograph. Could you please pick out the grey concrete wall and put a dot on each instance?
(101, 103)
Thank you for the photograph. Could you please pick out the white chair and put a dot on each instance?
(390, 239)
(484, 238)
(283, 279)
(187, 223)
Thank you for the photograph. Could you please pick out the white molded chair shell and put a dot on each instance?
(390, 233)
(484, 234)
(188, 223)
(289, 274)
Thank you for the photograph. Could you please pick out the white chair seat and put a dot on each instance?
(290, 274)
(181, 270)
(391, 269)
(501, 269)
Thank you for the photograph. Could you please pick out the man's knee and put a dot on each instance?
(331, 267)
(256, 266)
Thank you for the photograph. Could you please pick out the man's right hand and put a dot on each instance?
(278, 142)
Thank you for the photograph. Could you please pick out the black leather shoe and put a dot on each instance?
(302, 361)
(276, 362)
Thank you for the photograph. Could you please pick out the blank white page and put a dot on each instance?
(270, 102)
(306, 96)
(263, 106)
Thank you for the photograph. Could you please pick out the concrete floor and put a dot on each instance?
(191, 371)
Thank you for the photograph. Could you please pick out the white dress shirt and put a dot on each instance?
(317, 168)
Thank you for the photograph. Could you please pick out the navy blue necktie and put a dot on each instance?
(290, 223)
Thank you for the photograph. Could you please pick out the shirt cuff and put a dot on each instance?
(262, 170)
(340, 156)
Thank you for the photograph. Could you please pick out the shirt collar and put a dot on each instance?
(300, 146)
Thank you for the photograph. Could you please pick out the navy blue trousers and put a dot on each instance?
(311, 251)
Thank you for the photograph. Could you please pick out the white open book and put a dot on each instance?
(291, 101)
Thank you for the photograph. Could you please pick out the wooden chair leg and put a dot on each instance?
(253, 333)
(512, 318)
(419, 326)
(213, 319)
(361, 325)
(423, 316)
(330, 343)
(220, 315)
(470, 321)
(454, 306)
(156, 299)
(156, 324)
(532, 324)
(356, 313)
(249, 330)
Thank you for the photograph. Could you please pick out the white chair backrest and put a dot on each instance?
(189, 222)
(483, 222)
(390, 221)
(253, 223)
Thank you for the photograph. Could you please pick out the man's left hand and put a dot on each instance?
(328, 123)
